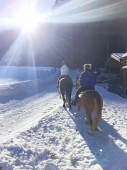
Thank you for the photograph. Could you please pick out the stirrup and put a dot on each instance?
(73, 103)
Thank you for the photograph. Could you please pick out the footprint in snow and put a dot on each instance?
(51, 166)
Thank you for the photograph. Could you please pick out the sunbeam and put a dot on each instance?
(89, 11)
(13, 55)
(27, 18)
(31, 60)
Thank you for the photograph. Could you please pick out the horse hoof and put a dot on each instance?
(91, 133)
(86, 122)
(77, 115)
(96, 129)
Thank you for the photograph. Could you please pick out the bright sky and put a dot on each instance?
(76, 11)
(45, 5)
(25, 14)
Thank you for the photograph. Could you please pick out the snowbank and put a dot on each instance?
(29, 80)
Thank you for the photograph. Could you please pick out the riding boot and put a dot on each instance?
(73, 102)
(63, 105)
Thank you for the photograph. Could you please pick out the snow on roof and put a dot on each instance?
(120, 55)
(124, 67)
(124, 55)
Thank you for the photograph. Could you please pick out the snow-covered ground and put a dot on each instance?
(36, 133)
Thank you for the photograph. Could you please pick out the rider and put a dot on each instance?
(87, 81)
(64, 70)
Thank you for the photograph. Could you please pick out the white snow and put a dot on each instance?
(36, 133)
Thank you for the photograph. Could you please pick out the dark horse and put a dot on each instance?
(65, 86)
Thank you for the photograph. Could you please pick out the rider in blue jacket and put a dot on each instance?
(87, 81)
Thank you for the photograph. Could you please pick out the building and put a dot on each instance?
(117, 63)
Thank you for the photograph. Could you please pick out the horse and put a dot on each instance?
(91, 101)
(65, 87)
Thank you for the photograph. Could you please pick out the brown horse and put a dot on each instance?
(65, 87)
(91, 101)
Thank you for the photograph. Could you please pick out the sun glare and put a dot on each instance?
(27, 19)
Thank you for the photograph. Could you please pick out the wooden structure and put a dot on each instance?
(118, 63)
(124, 71)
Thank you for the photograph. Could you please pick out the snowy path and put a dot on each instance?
(41, 135)
(18, 116)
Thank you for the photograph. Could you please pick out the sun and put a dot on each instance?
(27, 19)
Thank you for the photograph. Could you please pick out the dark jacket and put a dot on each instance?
(88, 79)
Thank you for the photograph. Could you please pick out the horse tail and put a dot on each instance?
(98, 103)
(97, 110)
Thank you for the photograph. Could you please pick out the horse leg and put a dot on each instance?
(96, 121)
(69, 99)
(59, 93)
(78, 111)
(69, 102)
(89, 119)
(64, 100)
(97, 115)
(86, 121)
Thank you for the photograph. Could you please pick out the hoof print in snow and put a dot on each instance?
(51, 166)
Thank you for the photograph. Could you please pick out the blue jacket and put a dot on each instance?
(88, 79)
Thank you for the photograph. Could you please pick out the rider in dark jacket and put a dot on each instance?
(87, 81)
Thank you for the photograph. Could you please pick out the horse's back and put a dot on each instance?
(91, 97)
(66, 83)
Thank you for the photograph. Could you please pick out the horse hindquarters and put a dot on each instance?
(91, 101)
(66, 90)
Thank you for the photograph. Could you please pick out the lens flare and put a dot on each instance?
(27, 19)
(25, 16)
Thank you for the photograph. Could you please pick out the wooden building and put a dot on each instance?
(124, 73)
(118, 63)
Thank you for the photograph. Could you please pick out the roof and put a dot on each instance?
(119, 55)
(124, 67)
(116, 56)
(124, 55)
